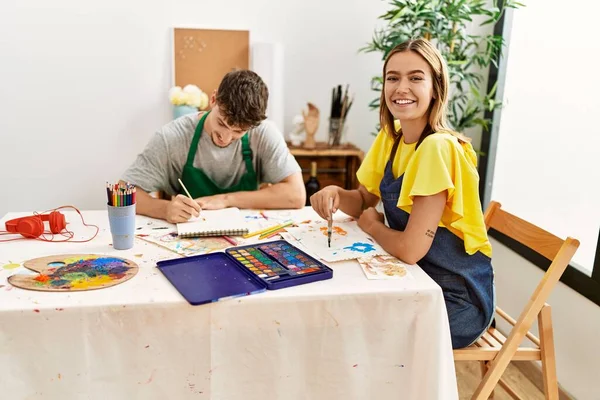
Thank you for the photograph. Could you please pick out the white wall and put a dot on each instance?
(547, 166)
(576, 321)
(547, 169)
(83, 85)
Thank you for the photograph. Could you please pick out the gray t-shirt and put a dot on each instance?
(161, 163)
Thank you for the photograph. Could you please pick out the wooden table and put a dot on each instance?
(335, 165)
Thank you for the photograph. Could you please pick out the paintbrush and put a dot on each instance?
(330, 222)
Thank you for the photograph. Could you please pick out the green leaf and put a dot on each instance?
(447, 21)
(374, 103)
(488, 21)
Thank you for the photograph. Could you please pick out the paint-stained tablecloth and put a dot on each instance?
(344, 338)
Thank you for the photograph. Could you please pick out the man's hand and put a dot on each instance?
(181, 209)
(368, 218)
(215, 202)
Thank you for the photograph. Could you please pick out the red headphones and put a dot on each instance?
(33, 227)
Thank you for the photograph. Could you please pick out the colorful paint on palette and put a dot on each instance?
(84, 273)
(275, 260)
(73, 273)
(242, 271)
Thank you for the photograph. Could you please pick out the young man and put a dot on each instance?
(221, 156)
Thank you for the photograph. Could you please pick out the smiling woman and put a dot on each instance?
(426, 177)
(411, 95)
(408, 93)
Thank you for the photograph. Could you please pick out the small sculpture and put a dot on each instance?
(311, 124)
(297, 135)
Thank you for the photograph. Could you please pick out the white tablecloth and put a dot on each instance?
(344, 338)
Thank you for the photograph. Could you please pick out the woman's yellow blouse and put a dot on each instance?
(440, 163)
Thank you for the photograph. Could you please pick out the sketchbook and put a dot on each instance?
(228, 221)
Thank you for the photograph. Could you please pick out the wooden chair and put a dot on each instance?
(496, 351)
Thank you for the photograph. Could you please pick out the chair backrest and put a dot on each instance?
(526, 233)
(555, 249)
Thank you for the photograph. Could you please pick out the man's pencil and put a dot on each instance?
(184, 188)
(186, 191)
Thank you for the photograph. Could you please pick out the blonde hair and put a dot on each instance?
(437, 121)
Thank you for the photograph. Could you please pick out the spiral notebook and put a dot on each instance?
(228, 221)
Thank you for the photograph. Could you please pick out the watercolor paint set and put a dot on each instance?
(242, 271)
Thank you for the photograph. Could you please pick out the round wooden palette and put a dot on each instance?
(74, 272)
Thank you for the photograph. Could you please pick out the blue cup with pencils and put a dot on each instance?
(121, 214)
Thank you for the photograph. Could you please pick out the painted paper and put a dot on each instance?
(348, 241)
(384, 267)
(187, 246)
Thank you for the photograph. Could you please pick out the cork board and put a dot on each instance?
(203, 56)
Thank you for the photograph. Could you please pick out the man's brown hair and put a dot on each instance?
(242, 97)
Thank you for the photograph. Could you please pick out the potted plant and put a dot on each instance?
(445, 23)
(188, 100)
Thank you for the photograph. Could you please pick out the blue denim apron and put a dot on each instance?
(467, 281)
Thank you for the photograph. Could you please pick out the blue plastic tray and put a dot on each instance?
(242, 271)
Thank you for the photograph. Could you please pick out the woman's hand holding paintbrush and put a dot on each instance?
(320, 201)
(325, 202)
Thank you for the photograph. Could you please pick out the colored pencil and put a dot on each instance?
(275, 229)
(267, 230)
(188, 193)
(271, 234)
(259, 232)
(230, 240)
(120, 195)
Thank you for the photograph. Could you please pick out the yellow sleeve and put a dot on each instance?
(431, 170)
(372, 168)
(441, 163)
